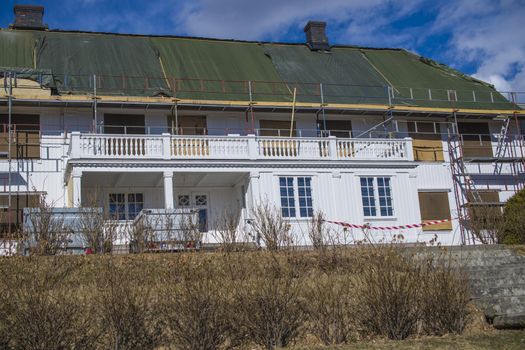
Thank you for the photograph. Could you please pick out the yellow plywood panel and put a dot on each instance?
(26, 87)
(434, 206)
(428, 150)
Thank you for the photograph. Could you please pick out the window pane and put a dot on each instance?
(117, 206)
(305, 196)
(203, 220)
(385, 198)
(135, 205)
(367, 196)
(183, 200)
(287, 196)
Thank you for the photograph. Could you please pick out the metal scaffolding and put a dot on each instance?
(468, 192)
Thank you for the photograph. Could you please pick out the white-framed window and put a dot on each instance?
(296, 196)
(376, 196)
(125, 206)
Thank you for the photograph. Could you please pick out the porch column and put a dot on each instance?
(168, 189)
(76, 184)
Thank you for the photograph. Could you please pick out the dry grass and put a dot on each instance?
(230, 299)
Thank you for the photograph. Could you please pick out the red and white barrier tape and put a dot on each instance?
(400, 227)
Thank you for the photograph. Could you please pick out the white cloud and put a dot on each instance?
(254, 20)
(490, 34)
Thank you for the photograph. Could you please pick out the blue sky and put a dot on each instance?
(484, 38)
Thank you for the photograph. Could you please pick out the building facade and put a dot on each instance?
(379, 137)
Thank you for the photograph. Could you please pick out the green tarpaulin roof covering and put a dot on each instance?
(210, 69)
(215, 62)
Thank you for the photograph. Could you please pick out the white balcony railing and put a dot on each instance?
(251, 147)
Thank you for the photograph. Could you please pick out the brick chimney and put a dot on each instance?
(29, 17)
(316, 35)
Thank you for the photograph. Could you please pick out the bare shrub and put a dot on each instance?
(445, 298)
(98, 235)
(331, 307)
(189, 230)
(270, 310)
(486, 223)
(46, 229)
(228, 233)
(129, 305)
(270, 226)
(139, 237)
(39, 309)
(317, 231)
(197, 305)
(388, 299)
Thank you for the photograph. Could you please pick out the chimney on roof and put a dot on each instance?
(316, 35)
(29, 17)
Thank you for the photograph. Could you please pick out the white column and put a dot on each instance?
(168, 190)
(332, 147)
(166, 146)
(409, 149)
(253, 152)
(75, 145)
(76, 178)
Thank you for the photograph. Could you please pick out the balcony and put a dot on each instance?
(234, 147)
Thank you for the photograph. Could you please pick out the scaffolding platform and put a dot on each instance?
(492, 159)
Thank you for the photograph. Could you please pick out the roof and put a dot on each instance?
(213, 69)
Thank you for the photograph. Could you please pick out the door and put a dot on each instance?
(198, 201)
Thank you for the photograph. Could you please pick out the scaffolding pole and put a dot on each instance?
(10, 140)
(322, 105)
(95, 116)
(250, 92)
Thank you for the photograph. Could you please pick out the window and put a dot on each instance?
(124, 124)
(276, 128)
(476, 139)
(305, 196)
(125, 207)
(184, 200)
(135, 204)
(426, 141)
(385, 196)
(434, 206)
(296, 190)
(376, 195)
(287, 196)
(337, 128)
(117, 206)
(25, 137)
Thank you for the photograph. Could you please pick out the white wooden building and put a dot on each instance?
(377, 154)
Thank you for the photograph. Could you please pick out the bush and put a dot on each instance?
(39, 310)
(514, 220)
(270, 311)
(197, 306)
(388, 299)
(331, 307)
(445, 300)
(210, 301)
(128, 304)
